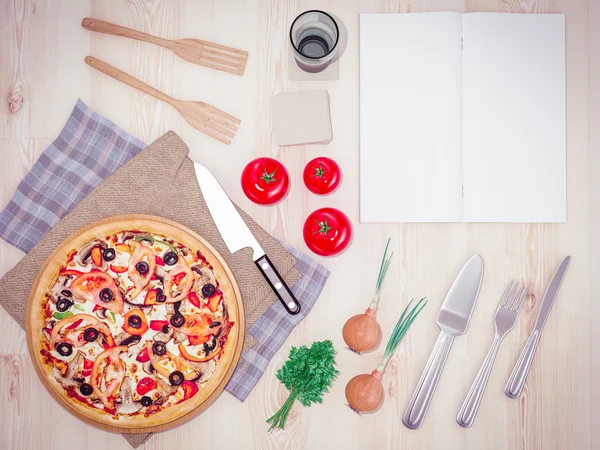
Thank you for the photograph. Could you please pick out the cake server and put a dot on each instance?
(237, 235)
(514, 385)
(453, 320)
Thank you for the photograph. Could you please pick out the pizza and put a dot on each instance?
(134, 325)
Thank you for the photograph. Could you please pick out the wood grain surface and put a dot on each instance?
(42, 73)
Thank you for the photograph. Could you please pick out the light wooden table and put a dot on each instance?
(42, 74)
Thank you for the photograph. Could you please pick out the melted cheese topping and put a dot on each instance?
(134, 370)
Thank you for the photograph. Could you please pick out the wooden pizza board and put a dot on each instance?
(227, 364)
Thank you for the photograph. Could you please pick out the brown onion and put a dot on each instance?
(362, 332)
(364, 393)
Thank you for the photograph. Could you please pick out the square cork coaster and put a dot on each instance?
(301, 118)
(295, 73)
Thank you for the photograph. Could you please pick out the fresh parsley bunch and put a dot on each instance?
(307, 374)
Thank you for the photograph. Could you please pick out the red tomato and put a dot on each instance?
(118, 269)
(189, 390)
(145, 385)
(134, 322)
(75, 324)
(158, 325)
(87, 367)
(68, 272)
(265, 181)
(143, 356)
(197, 340)
(87, 364)
(327, 231)
(178, 278)
(213, 303)
(194, 299)
(97, 256)
(151, 298)
(322, 176)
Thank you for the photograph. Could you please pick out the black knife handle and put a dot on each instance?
(281, 289)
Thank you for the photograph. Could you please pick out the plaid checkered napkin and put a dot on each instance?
(88, 150)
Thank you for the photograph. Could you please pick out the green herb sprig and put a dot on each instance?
(307, 374)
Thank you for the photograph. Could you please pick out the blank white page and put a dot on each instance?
(514, 143)
(410, 117)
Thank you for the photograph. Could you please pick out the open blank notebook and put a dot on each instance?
(462, 117)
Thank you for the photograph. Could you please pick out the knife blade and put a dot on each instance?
(551, 293)
(237, 235)
(453, 320)
(516, 381)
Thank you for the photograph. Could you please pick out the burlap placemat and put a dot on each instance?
(161, 181)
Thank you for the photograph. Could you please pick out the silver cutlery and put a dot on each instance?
(237, 235)
(453, 320)
(504, 321)
(514, 385)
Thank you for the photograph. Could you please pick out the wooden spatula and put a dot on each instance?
(200, 115)
(193, 50)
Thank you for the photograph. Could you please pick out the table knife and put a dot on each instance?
(516, 381)
(237, 235)
(453, 320)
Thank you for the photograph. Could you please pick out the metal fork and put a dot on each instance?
(504, 320)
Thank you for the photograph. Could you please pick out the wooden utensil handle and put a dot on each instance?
(127, 79)
(117, 30)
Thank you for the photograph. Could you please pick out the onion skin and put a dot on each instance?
(362, 332)
(364, 393)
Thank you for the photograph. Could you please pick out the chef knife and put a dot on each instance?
(514, 385)
(453, 320)
(237, 235)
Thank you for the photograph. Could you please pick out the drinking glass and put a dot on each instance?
(314, 36)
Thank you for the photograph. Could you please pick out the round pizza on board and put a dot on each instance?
(134, 323)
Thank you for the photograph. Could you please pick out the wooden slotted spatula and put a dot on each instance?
(197, 51)
(200, 115)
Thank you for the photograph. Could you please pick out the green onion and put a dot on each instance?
(365, 392)
(400, 329)
(383, 268)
